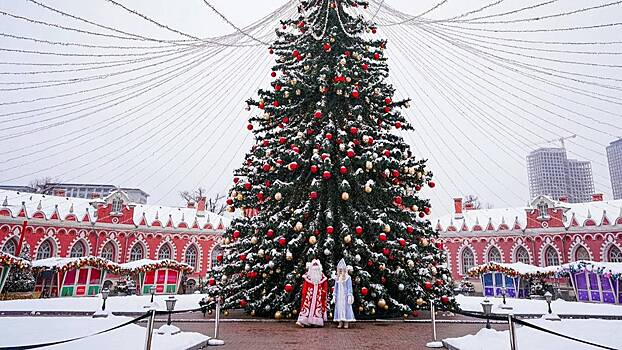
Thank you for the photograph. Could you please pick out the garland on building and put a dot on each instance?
(605, 269)
(511, 270)
(13, 261)
(66, 264)
(145, 265)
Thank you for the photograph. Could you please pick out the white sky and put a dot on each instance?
(474, 121)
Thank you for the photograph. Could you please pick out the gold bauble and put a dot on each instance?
(298, 92)
(419, 174)
(414, 208)
(425, 242)
(347, 239)
(307, 67)
(367, 189)
(227, 240)
(361, 309)
(345, 196)
(312, 240)
(254, 240)
(264, 275)
(295, 312)
(226, 313)
(420, 302)
(286, 94)
(252, 312)
(369, 165)
(278, 196)
(405, 316)
(382, 303)
(294, 81)
(386, 307)
(372, 311)
(298, 226)
(230, 208)
(278, 315)
(387, 228)
(411, 264)
(289, 256)
(239, 196)
(209, 312)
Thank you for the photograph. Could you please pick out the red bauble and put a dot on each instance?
(249, 126)
(395, 173)
(421, 214)
(280, 161)
(243, 303)
(267, 183)
(251, 274)
(383, 280)
(327, 175)
(373, 30)
(417, 188)
(355, 93)
(428, 285)
(318, 114)
(439, 245)
(242, 257)
(289, 288)
(219, 257)
(314, 169)
(354, 130)
(275, 103)
(387, 100)
(266, 167)
(260, 196)
(426, 210)
(313, 195)
(301, 24)
(296, 53)
(350, 153)
(431, 184)
(326, 47)
(261, 104)
(376, 56)
(329, 136)
(285, 120)
(347, 53)
(236, 234)
(364, 291)
(271, 51)
(365, 66)
(398, 125)
(397, 200)
(370, 140)
(229, 201)
(212, 281)
(277, 87)
(410, 229)
(330, 230)
(386, 153)
(343, 170)
(248, 186)
(358, 230)
(445, 299)
(266, 143)
(382, 237)
(293, 166)
(273, 74)
(439, 282)
(298, 58)
(386, 251)
(270, 233)
(387, 109)
(282, 241)
(402, 242)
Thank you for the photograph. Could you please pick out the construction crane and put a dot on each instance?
(561, 140)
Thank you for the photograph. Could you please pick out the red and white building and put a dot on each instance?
(545, 233)
(110, 227)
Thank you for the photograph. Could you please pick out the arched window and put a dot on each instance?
(77, 251)
(468, 260)
(108, 252)
(45, 250)
(522, 255)
(215, 252)
(494, 255)
(614, 254)
(543, 209)
(117, 204)
(165, 252)
(137, 252)
(191, 256)
(581, 254)
(10, 247)
(551, 258)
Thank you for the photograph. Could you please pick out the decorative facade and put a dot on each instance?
(545, 233)
(112, 227)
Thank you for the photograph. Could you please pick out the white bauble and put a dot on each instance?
(357, 258)
(298, 226)
(326, 251)
(271, 264)
(278, 196)
(261, 252)
(400, 286)
(369, 165)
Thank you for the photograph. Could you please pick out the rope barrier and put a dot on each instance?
(40, 345)
(527, 324)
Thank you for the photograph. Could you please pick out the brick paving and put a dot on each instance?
(362, 335)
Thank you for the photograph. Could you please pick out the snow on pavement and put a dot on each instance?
(36, 330)
(539, 307)
(602, 332)
(132, 303)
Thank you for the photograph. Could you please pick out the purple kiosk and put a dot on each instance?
(597, 282)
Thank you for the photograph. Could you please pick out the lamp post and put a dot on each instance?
(152, 290)
(487, 306)
(503, 291)
(550, 316)
(105, 293)
(504, 306)
(170, 306)
(549, 298)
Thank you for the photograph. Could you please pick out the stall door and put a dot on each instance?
(580, 282)
(165, 281)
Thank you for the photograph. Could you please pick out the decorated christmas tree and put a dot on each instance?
(328, 178)
(20, 280)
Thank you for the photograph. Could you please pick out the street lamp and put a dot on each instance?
(504, 292)
(550, 316)
(170, 306)
(105, 293)
(152, 290)
(487, 306)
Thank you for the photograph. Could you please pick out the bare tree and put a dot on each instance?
(213, 204)
(42, 184)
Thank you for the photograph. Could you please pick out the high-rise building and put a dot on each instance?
(81, 190)
(614, 155)
(551, 173)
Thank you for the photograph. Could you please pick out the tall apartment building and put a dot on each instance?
(81, 190)
(551, 173)
(614, 156)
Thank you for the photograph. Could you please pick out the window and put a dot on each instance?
(10, 247)
(543, 208)
(468, 260)
(215, 252)
(77, 251)
(191, 256)
(614, 254)
(581, 254)
(108, 252)
(522, 255)
(137, 252)
(165, 252)
(45, 250)
(494, 255)
(551, 258)
(117, 205)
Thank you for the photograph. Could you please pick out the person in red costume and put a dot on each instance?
(314, 290)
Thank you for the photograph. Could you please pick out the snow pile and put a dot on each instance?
(36, 330)
(603, 332)
(539, 307)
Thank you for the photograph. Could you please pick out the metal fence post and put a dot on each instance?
(150, 329)
(215, 341)
(513, 345)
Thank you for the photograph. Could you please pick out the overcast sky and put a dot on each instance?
(475, 120)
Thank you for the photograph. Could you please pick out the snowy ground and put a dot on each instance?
(539, 307)
(132, 303)
(602, 332)
(36, 330)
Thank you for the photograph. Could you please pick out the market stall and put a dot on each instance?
(598, 282)
(7, 262)
(72, 276)
(164, 275)
(514, 277)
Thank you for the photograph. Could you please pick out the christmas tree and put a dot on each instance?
(327, 178)
(20, 280)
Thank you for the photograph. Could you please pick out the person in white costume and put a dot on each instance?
(342, 296)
